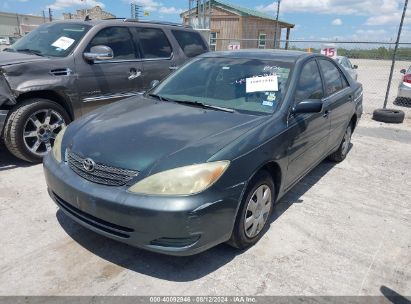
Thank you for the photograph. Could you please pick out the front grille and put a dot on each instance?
(114, 229)
(101, 174)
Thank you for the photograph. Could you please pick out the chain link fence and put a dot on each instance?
(373, 61)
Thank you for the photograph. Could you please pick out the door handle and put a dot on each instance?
(326, 113)
(173, 68)
(134, 74)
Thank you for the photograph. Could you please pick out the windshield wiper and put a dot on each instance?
(204, 105)
(31, 51)
(158, 97)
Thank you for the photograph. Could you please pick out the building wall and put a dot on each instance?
(253, 26)
(16, 25)
(94, 13)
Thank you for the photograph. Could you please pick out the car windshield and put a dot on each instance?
(243, 85)
(51, 39)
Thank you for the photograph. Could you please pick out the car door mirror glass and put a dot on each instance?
(99, 52)
(308, 106)
(403, 71)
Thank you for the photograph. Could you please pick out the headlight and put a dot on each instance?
(182, 181)
(57, 145)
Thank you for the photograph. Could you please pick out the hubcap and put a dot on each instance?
(41, 129)
(346, 141)
(257, 211)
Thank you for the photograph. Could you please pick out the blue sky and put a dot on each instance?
(314, 19)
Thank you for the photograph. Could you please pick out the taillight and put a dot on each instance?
(407, 78)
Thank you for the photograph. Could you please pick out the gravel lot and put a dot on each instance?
(344, 230)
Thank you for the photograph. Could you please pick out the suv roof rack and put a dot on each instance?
(158, 22)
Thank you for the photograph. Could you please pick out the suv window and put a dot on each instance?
(190, 42)
(154, 43)
(118, 39)
(309, 85)
(334, 80)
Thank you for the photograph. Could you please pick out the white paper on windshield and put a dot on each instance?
(63, 43)
(262, 84)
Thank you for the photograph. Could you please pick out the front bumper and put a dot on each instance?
(404, 91)
(171, 225)
(3, 116)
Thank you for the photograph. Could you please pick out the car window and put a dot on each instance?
(190, 42)
(242, 84)
(51, 39)
(118, 39)
(154, 43)
(349, 64)
(309, 85)
(334, 80)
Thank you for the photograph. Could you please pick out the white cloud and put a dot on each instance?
(379, 12)
(62, 4)
(170, 10)
(337, 21)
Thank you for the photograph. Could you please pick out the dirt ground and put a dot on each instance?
(344, 230)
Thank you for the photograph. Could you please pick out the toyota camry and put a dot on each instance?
(202, 157)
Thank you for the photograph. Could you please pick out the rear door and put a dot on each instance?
(309, 131)
(338, 96)
(106, 81)
(156, 53)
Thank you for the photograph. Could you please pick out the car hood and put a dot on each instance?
(9, 58)
(139, 133)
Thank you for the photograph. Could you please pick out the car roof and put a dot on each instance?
(280, 55)
(122, 21)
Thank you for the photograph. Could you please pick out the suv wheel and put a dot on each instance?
(32, 127)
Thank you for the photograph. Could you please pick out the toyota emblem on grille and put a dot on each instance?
(89, 164)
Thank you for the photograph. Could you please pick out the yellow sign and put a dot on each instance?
(146, 13)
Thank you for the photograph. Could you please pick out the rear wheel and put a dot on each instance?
(254, 212)
(32, 127)
(344, 147)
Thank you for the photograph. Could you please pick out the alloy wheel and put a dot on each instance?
(41, 129)
(346, 141)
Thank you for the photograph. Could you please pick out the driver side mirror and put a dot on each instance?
(99, 52)
(403, 71)
(308, 106)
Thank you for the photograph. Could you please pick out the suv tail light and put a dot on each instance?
(407, 78)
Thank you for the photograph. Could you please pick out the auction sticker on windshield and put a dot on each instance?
(63, 43)
(262, 84)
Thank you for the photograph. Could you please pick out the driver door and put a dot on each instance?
(105, 81)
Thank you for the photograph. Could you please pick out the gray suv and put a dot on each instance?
(65, 69)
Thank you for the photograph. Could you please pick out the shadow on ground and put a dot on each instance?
(9, 161)
(179, 269)
(393, 296)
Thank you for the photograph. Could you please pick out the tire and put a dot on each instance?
(344, 148)
(242, 236)
(388, 115)
(28, 126)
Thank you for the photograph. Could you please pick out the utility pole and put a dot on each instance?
(50, 15)
(44, 16)
(395, 54)
(276, 23)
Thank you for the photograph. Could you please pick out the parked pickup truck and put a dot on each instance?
(65, 69)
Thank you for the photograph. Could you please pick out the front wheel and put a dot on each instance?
(254, 212)
(32, 127)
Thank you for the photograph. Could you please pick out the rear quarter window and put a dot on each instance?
(190, 42)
